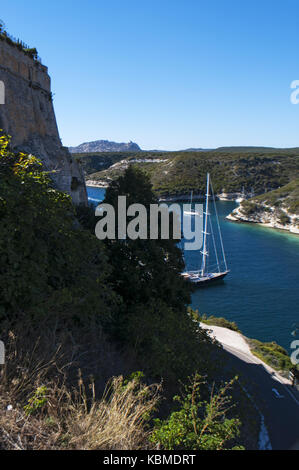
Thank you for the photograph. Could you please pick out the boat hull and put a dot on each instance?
(204, 280)
(192, 213)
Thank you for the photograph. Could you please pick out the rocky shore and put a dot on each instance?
(266, 216)
(96, 184)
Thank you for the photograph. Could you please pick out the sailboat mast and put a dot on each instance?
(205, 233)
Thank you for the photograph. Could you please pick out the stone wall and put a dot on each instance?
(28, 116)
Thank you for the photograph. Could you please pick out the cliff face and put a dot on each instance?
(28, 116)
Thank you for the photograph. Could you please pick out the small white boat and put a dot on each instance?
(192, 211)
(205, 275)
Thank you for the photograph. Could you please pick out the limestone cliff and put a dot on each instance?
(28, 116)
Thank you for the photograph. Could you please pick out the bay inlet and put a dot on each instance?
(261, 291)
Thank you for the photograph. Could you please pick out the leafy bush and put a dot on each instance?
(249, 208)
(284, 218)
(272, 353)
(37, 401)
(32, 52)
(198, 424)
(220, 321)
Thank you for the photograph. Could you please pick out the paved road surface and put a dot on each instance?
(281, 414)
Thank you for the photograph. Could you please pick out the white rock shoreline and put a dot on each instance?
(265, 219)
(96, 184)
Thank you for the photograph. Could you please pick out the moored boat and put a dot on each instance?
(205, 275)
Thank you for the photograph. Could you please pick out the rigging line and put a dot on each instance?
(204, 256)
(214, 243)
(223, 253)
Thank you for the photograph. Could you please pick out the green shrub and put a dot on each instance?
(284, 218)
(220, 321)
(37, 402)
(32, 52)
(249, 208)
(198, 424)
(272, 354)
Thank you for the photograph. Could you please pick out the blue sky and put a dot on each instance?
(167, 74)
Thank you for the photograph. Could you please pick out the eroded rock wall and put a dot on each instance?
(28, 116)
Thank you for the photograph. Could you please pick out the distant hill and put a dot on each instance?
(105, 146)
(191, 149)
(177, 173)
(243, 149)
(260, 150)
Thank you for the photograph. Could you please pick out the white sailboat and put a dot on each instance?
(205, 274)
(192, 211)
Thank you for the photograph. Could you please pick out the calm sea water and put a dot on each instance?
(261, 292)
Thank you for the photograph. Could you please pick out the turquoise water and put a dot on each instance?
(261, 292)
(95, 194)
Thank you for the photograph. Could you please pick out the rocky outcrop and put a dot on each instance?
(105, 146)
(28, 116)
(268, 216)
(96, 184)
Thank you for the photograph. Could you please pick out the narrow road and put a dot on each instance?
(274, 397)
(281, 410)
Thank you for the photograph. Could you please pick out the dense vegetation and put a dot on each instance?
(70, 302)
(99, 161)
(285, 197)
(219, 321)
(280, 206)
(257, 171)
(42, 262)
(272, 354)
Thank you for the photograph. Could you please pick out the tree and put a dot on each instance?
(153, 319)
(145, 269)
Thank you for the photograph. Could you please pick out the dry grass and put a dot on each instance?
(118, 421)
(70, 416)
